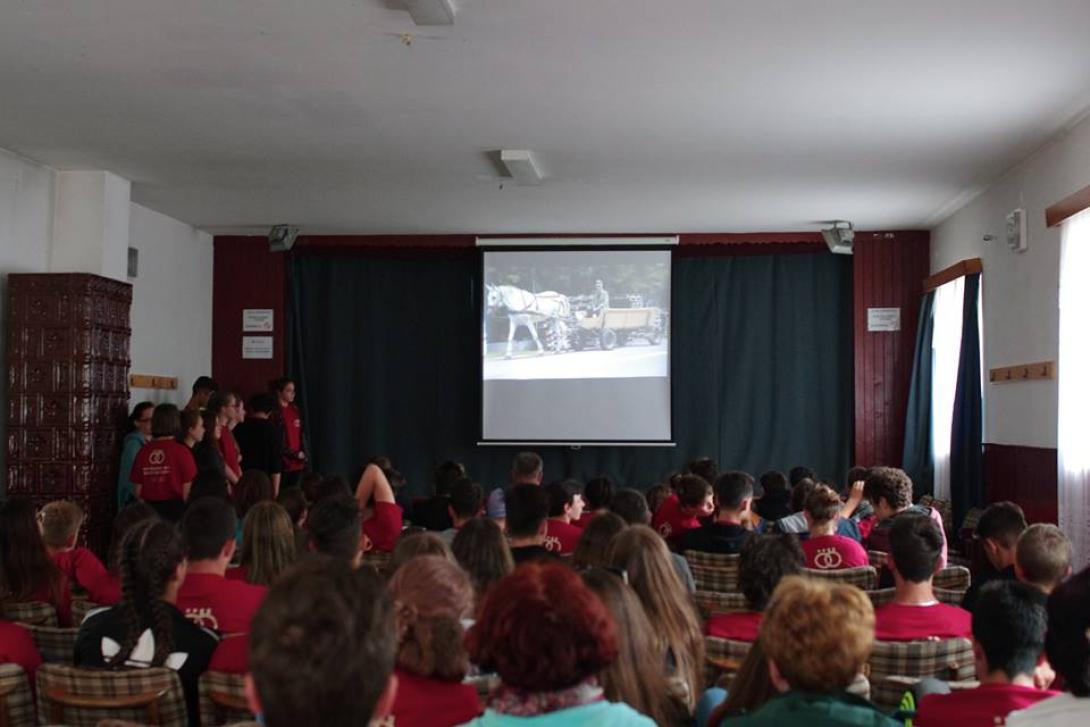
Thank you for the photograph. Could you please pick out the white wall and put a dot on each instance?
(1021, 290)
(171, 302)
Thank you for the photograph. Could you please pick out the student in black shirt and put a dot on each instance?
(997, 531)
(259, 440)
(146, 629)
(727, 533)
(527, 512)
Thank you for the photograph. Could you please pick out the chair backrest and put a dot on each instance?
(483, 683)
(379, 560)
(708, 603)
(712, 560)
(864, 577)
(80, 608)
(882, 596)
(953, 577)
(223, 699)
(56, 645)
(73, 696)
(949, 597)
(16, 703)
(878, 558)
(971, 519)
(946, 659)
(30, 613)
(718, 580)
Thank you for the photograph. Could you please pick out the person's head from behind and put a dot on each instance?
(822, 510)
(527, 468)
(166, 421)
(446, 474)
(203, 389)
(527, 511)
(127, 518)
(998, 530)
(542, 630)
(308, 486)
(1009, 624)
(1067, 642)
(335, 528)
(466, 500)
(800, 493)
(25, 565)
(261, 406)
(695, 496)
(253, 487)
(798, 474)
(915, 546)
(775, 485)
(1043, 557)
(631, 506)
(593, 546)
(208, 527)
(704, 468)
(733, 494)
(294, 503)
(598, 492)
(322, 647)
(565, 500)
(855, 474)
(209, 483)
(655, 496)
(482, 550)
(888, 489)
(60, 524)
(765, 560)
(331, 486)
(432, 595)
(804, 652)
(417, 545)
(268, 542)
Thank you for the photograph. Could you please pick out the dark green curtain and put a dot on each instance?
(967, 429)
(918, 459)
(385, 350)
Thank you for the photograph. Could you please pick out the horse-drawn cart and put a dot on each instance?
(617, 327)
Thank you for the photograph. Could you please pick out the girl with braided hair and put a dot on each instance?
(146, 629)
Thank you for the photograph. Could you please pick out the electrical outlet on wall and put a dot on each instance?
(1016, 231)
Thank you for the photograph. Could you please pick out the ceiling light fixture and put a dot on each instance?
(430, 12)
(839, 237)
(522, 166)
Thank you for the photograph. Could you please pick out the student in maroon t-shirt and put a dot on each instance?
(381, 514)
(164, 468)
(565, 507)
(206, 596)
(682, 511)
(1009, 624)
(27, 574)
(221, 405)
(60, 524)
(915, 547)
(597, 494)
(825, 550)
(764, 561)
(292, 423)
(17, 647)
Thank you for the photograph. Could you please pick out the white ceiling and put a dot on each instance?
(648, 115)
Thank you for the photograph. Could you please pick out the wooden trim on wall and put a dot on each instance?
(1068, 207)
(960, 269)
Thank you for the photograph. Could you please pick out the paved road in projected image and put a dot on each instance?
(636, 360)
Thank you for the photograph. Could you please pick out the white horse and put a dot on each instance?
(525, 309)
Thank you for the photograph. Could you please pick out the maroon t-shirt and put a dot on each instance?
(426, 702)
(293, 437)
(670, 522)
(898, 622)
(561, 537)
(17, 647)
(85, 569)
(383, 528)
(161, 468)
(736, 626)
(985, 706)
(220, 604)
(229, 451)
(232, 655)
(833, 552)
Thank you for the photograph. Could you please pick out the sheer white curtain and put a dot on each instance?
(945, 356)
(1074, 368)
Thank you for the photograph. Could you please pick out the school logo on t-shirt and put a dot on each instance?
(552, 543)
(828, 559)
(203, 617)
(157, 457)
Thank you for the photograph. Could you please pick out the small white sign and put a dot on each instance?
(257, 319)
(883, 319)
(257, 347)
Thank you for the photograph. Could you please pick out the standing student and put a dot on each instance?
(164, 469)
(203, 389)
(565, 507)
(682, 511)
(139, 432)
(26, 571)
(206, 453)
(222, 407)
(259, 440)
(291, 423)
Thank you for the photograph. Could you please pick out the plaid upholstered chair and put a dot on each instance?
(80, 608)
(878, 558)
(71, 696)
(864, 577)
(16, 704)
(723, 657)
(56, 645)
(708, 603)
(716, 572)
(223, 699)
(946, 659)
(953, 578)
(483, 683)
(882, 596)
(949, 597)
(30, 613)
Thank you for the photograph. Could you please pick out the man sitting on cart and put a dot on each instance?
(600, 299)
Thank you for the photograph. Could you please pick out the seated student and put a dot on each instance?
(431, 597)
(1042, 557)
(825, 550)
(334, 529)
(146, 628)
(548, 636)
(766, 559)
(380, 513)
(527, 511)
(268, 544)
(889, 492)
(527, 468)
(797, 522)
(109, 589)
(597, 494)
(1067, 644)
(432, 512)
(775, 503)
(17, 647)
(915, 544)
(27, 573)
(294, 503)
(60, 523)
(565, 507)
(634, 508)
(465, 503)
(810, 664)
(206, 596)
(593, 546)
(1009, 625)
(799, 473)
(727, 533)
(164, 468)
(682, 511)
(417, 544)
(482, 550)
(997, 532)
(322, 648)
(655, 496)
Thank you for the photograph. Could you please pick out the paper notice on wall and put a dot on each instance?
(257, 319)
(883, 319)
(257, 347)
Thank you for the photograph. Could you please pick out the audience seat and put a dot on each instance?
(878, 558)
(483, 683)
(946, 659)
(943, 595)
(723, 657)
(56, 645)
(67, 695)
(715, 580)
(945, 508)
(708, 603)
(80, 608)
(16, 703)
(378, 560)
(30, 613)
(953, 578)
(223, 698)
(864, 577)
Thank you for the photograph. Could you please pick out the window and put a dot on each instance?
(945, 355)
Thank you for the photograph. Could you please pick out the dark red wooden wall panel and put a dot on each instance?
(1026, 475)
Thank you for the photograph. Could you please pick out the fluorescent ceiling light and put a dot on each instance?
(522, 166)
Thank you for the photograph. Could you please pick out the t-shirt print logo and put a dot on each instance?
(203, 617)
(157, 457)
(828, 559)
(552, 543)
